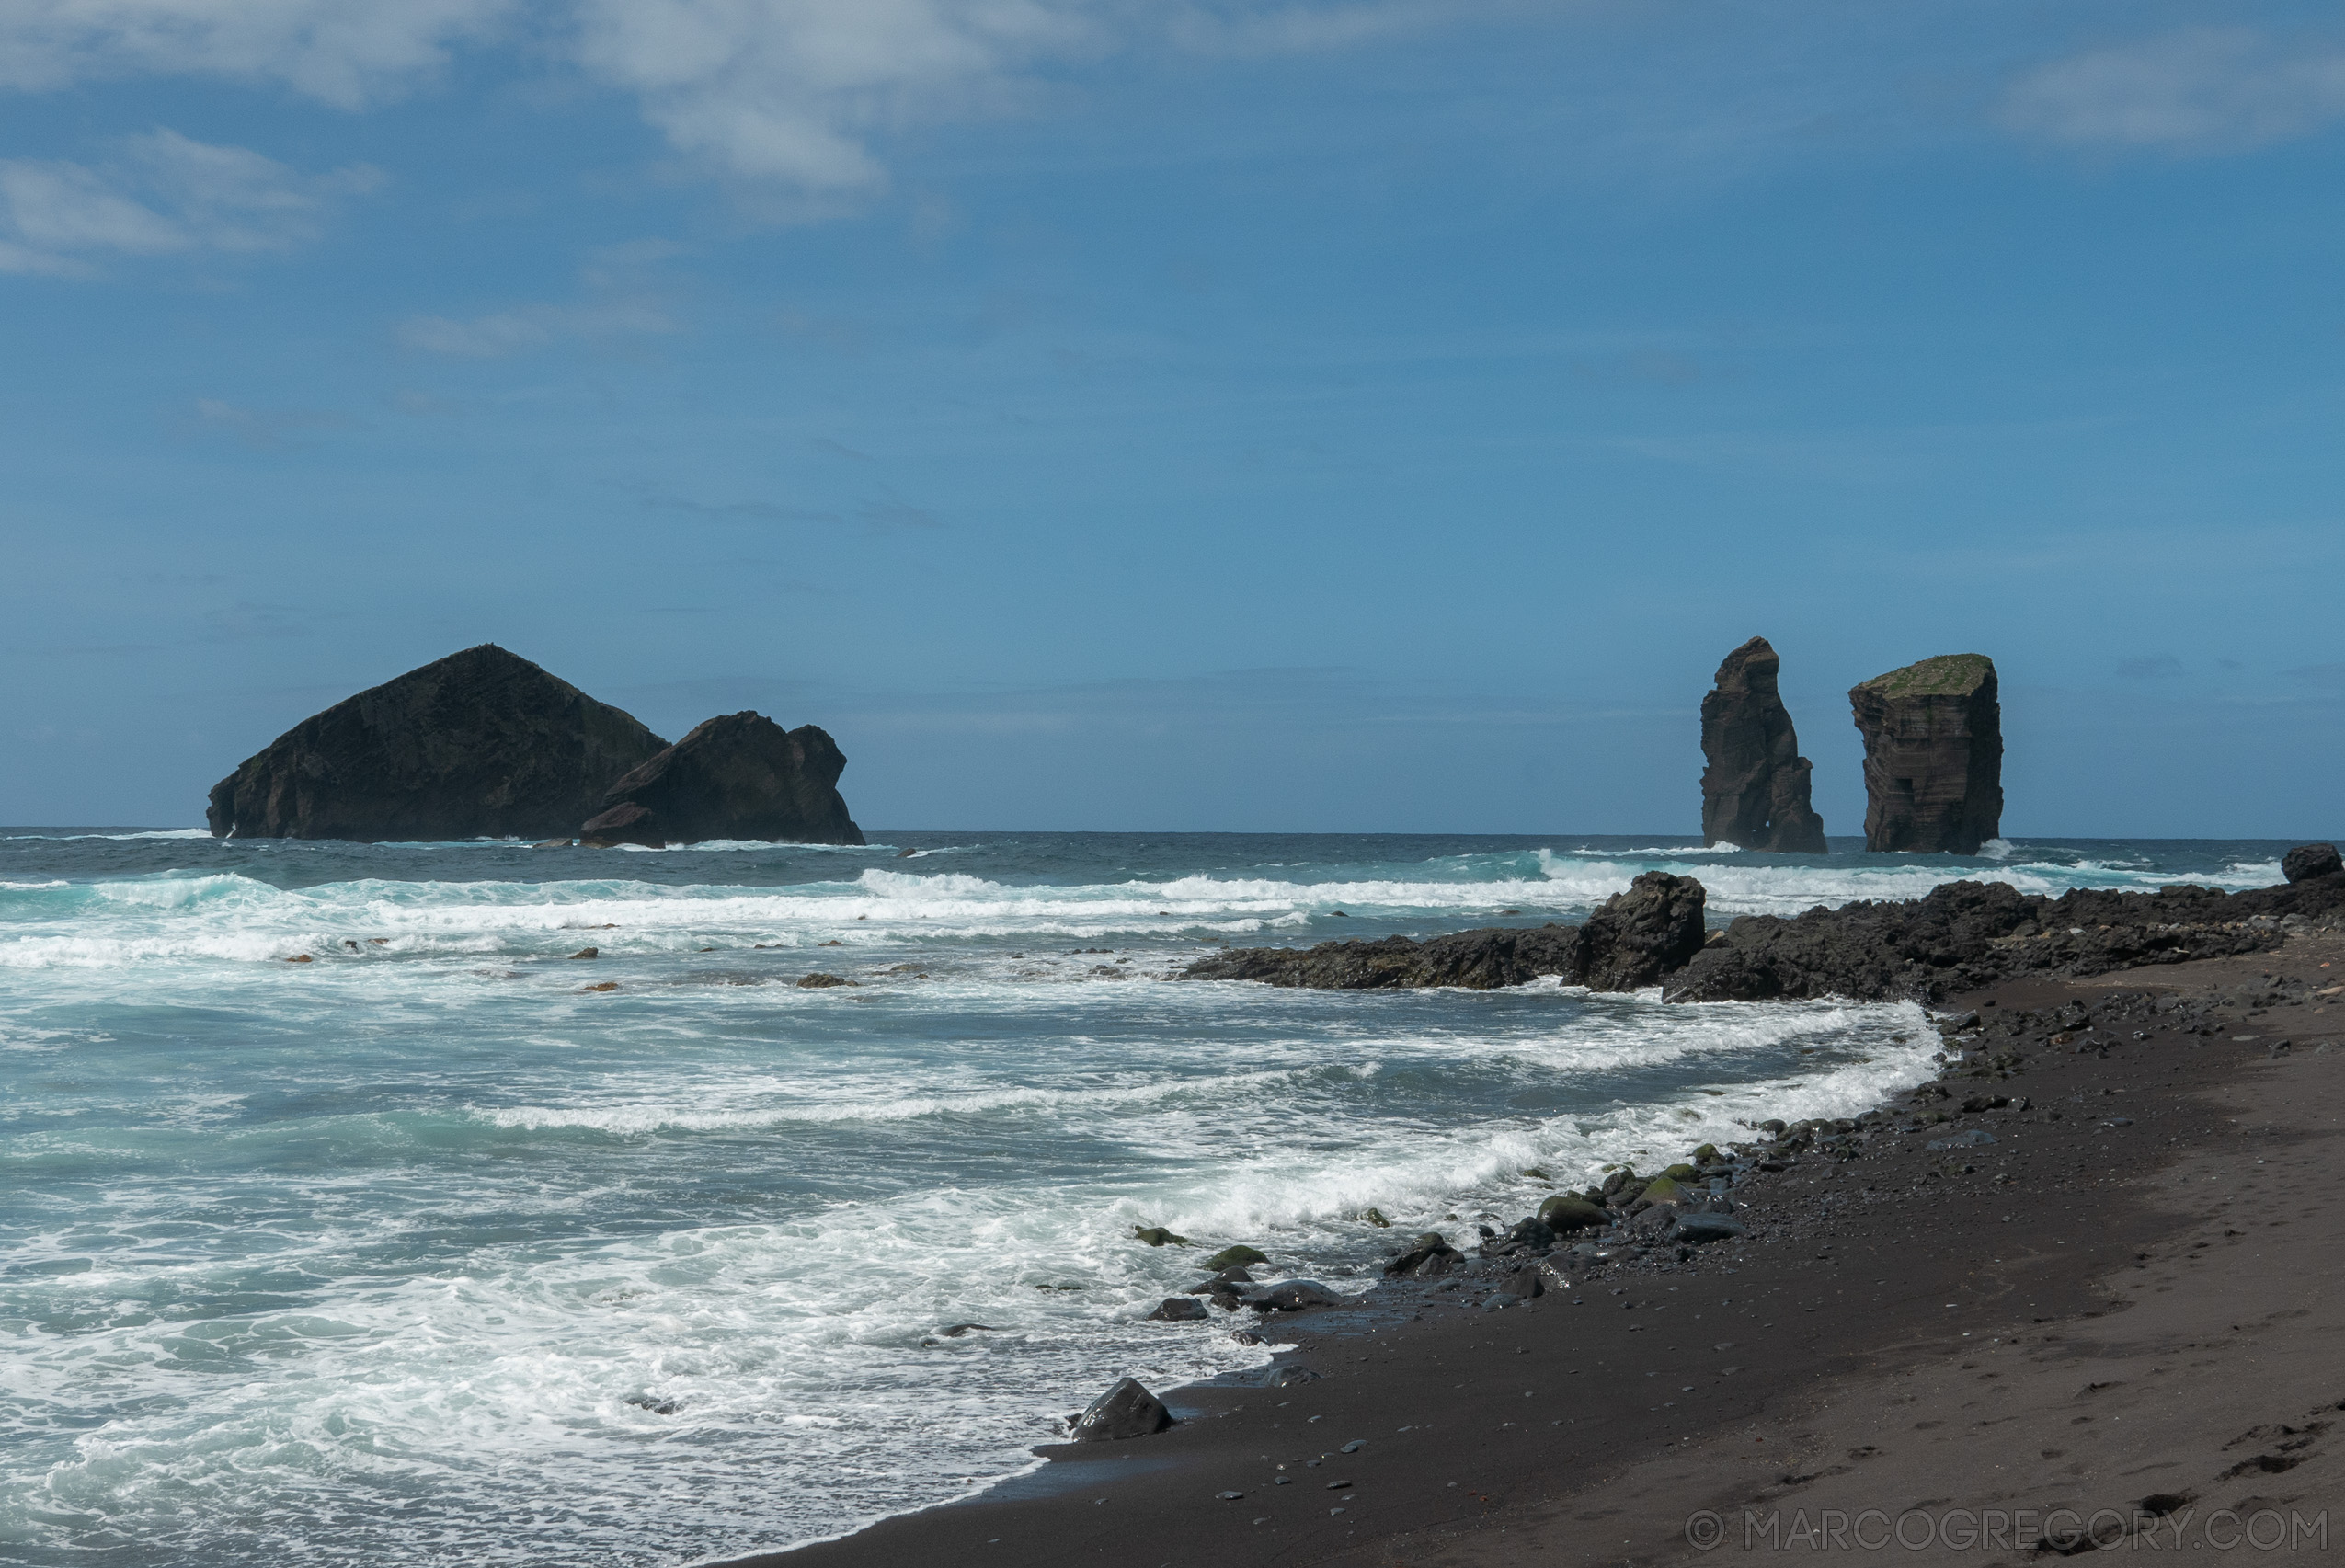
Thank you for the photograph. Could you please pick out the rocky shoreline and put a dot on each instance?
(1958, 937)
(2026, 1076)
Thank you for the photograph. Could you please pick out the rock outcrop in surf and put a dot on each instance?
(739, 776)
(1632, 941)
(1960, 936)
(482, 743)
(1754, 783)
(1635, 938)
(2306, 861)
(1484, 959)
(1967, 935)
(1933, 755)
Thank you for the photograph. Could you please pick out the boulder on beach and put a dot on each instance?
(481, 744)
(1127, 1409)
(2307, 860)
(1701, 1228)
(1564, 1214)
(1933, 736)
(1531, 1232)
(1234, 1257)
(1294, 1295)
(1755, 783)
(1664, 1189)
(1429, 1257)
(739, 776)
(1178, 1309)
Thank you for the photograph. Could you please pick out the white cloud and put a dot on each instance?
(2204, 90)
(482, 338)
(161, 193)
(1246, 28)
(793, 90)
(787, 92)
(788, 89)
(348, 52)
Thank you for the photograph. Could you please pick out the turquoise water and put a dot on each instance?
(421, 1250)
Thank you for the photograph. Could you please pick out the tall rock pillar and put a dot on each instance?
(1933, 755)
(1755, 789)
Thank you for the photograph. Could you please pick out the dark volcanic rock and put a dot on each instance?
(1295, 1296)
(2307, 860)
(482, 743)
(1958, 937)
(1637, 937)
(1478, 960)
(626, 824)
(1755, 788)
(1564, 1212)
(1933, 755)
(740, 776)
(1965, 935)
(1633, 940)
(1127, 1409)
(1700, 1228)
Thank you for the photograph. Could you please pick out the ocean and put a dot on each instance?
(448, 1246)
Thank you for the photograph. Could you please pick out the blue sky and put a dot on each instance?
(1199, 414)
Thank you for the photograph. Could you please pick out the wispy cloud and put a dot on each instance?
(161, 193)
(331, 50)
(622, 302)
(2202, 90)
(503, 333)
(787, 93)
(1304, 29)
(263, 426)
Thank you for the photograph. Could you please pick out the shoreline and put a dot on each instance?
(1585, 1380)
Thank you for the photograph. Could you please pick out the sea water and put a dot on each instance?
(450, 1246)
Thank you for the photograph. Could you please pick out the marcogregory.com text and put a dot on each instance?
(2180, 1527)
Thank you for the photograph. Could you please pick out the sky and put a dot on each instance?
(1282, 414)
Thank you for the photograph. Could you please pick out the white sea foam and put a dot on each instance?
(371, 1256)
(230, 916)
(117, 837)
(885, 1104)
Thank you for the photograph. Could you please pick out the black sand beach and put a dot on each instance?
(2001, 1348)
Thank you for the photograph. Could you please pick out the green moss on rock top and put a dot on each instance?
(1948, 675)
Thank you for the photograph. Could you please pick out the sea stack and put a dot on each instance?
(1755, 789)
(740, 776)
(481, 744)
(1933, 755)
